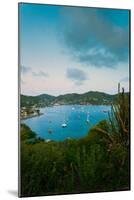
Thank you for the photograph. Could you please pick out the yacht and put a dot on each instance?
(64, 125)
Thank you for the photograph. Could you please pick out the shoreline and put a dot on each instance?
(76, 105)
(37, 115)
(31, 116)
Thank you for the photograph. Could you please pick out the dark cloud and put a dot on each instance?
(76, 75)
(87, 29)
(25, 69)
(98, 58)
(40, 74)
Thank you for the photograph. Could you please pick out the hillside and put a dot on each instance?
(91, 97)
(86, 98)
(40, 100)
(97, 162)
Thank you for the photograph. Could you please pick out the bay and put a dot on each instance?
(77, 119)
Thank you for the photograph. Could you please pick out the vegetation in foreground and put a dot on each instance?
(97, 162)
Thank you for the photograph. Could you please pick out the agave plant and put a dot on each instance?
(117, 132)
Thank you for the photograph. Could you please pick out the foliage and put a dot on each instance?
(118, 131)
(72, 166)
(92, 97)
(40, 100)
(28, 136)
(26, 133)
(97, 162)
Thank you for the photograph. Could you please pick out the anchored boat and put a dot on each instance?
(64, 125)
(87, 120)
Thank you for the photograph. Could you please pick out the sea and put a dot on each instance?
(67, 121)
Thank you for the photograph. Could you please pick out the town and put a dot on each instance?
(28, 112)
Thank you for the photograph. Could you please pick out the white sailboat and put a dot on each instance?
(87, 120)
(64, 125)
(73, 108)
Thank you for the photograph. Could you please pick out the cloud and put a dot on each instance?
(76, 75)
(125, 79)
(88, 29)
(40, 74)
(25, 69)
(98, 58)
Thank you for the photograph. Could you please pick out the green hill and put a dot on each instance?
(91, 97)
(40, 100)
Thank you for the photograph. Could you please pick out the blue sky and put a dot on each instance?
(73, 49)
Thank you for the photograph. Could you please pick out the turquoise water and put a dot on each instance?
(49, 125)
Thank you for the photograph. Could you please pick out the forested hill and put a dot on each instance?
(92, 97)
(40, 100)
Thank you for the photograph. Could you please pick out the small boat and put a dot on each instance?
(87, 120)
(50, 131)
(105, 111)
(64, 125)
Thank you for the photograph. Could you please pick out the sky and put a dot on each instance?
(72, 49)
